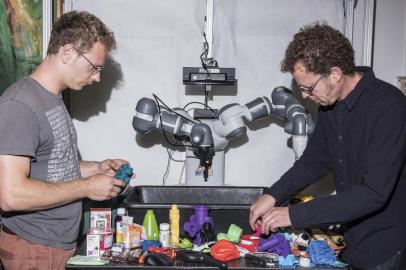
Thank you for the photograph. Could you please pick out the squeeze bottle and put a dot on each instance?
(151, 226)
(174, 217)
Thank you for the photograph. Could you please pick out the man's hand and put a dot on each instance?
(277, 217)
(110, 166)
(263, 205)
(101, 187)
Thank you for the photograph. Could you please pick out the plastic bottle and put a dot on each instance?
(164, 234)
(151, 226)
(174, 217)
(118, 222)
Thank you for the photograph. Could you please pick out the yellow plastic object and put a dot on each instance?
(304, 197)
(174, 217)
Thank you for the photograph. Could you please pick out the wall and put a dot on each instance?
(389, 57)
(155, 40)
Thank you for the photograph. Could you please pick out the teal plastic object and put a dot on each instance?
(124, 173)
(151, 226)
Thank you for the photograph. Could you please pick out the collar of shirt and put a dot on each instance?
(354, 95)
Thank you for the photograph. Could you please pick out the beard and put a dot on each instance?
(329, 89)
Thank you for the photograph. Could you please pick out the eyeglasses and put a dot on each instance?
(308, 90)
(95, 69)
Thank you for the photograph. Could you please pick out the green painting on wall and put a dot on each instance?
(20, 39)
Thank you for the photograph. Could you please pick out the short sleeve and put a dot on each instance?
(19, 129)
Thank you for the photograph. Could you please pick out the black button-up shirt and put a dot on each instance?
(362, 140)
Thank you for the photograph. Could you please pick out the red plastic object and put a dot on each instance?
(168, 251)
(224, 251)
(249, 242)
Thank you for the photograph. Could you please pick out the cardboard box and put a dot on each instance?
(100, 218)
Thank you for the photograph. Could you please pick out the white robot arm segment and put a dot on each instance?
(283, 105)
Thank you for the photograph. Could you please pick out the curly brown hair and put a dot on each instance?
(81, 29)
(319, 47)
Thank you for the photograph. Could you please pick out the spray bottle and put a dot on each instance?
(174, 217)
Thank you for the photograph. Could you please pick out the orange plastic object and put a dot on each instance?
(224, 251)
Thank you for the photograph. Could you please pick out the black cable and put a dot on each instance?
(171, 110)
(171, 157)
(157, 100)
(204, 53)
(168, 165)
(197, 102)
(206, 98)
(162, 128)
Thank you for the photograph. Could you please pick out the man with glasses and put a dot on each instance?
(361, 138)
(42, 181)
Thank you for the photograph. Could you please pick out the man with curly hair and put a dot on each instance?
(361, 138)
(42, 180)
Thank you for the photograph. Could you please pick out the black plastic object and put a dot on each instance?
(206, 114)
(191, 256)
(209, 76)
(255, 260)
(262, 259)
(157, 259)
(207, 233)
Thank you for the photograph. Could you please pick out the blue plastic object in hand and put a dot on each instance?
(124, 173)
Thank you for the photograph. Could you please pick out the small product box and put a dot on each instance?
(100, 218)
(98, 241)
(132, 236)
(93, 245)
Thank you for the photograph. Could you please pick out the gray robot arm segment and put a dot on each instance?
(286, 106)
(300, 124)
(144, 120)
(201, 135)
(258, 108)
(176, 122)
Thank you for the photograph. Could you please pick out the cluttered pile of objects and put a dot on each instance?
(152, 245)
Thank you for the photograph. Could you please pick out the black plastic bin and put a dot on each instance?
(228, 204)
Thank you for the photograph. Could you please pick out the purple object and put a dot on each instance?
(196, 221)
(276, 243)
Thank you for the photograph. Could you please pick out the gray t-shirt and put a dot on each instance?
(35, 123)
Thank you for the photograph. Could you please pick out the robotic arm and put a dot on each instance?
(178, 123)
(212, 135)
(283, 105)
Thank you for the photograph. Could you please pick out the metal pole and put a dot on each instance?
(209, 26)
